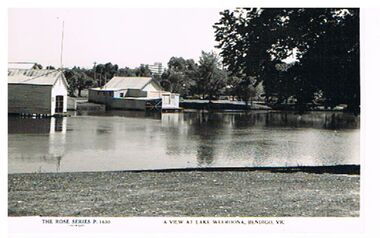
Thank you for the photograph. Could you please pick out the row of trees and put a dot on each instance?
(204, 78)
(254, 44)
(207, 78)
(81, 78)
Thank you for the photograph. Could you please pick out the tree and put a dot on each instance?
(105, 72)
(82, 82)
(212, 79)
(78, 79)
(37, 66)
(69, 75)
(142, 71)
(126, 72)
(332, 61)
(245, 42)
(254, 41)
(179, 77)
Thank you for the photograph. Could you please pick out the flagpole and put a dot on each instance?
(63, 30)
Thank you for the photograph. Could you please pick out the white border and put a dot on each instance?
(370, 40)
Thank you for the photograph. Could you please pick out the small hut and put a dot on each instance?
(37, 91)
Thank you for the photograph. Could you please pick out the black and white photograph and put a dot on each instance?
(240, 115)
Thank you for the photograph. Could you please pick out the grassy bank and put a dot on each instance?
(184, 193)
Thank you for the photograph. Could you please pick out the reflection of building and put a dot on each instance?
(37, 91)
(43, 146)
(156, 68)
(138, 93)
(57, 140)
(58, 125)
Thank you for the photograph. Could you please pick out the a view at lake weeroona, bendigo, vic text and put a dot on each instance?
(251, 112)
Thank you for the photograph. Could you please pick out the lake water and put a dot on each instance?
(124, 140)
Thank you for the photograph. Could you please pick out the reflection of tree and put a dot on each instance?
(204, 135)
(58, 168)
(208, 126)
(205, 154)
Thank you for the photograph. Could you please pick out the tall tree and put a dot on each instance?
(212, 79)
(245, 39)
(254, 41)
(179, 77)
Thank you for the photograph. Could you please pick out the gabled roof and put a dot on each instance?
(34, 76)
(128, 83)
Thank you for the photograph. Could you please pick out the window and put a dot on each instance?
(121, 95)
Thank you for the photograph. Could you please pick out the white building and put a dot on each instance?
(156, 68)
(136, 93)
(37, 91)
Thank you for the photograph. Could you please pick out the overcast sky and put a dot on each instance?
(127, 37)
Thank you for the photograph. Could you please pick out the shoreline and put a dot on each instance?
(184, 193)
(351, 169)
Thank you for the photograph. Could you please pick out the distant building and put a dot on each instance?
(136, 93)
(32, 91)
(156, 68)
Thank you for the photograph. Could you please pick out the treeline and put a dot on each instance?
(255, 42)
(203, 79)
(82, 78)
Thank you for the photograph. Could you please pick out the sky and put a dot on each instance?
(127, 37)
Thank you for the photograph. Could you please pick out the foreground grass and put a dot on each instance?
(184, 193)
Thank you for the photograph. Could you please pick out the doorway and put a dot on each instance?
(58, 104)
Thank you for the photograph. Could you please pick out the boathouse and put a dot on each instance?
(134, 93)
(37, 91)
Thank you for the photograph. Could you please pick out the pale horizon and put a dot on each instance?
(126, 37)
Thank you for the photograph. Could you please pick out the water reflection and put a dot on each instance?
(320, 120)
(57, 139)
(40, 142)
(264, 138)
(207, 126)
(30, 125)
(120, 140)
(120, 113)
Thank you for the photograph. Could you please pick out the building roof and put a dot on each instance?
(20, 65)
(34, 76)
(117, 83)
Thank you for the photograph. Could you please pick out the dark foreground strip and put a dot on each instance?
(334, 169)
